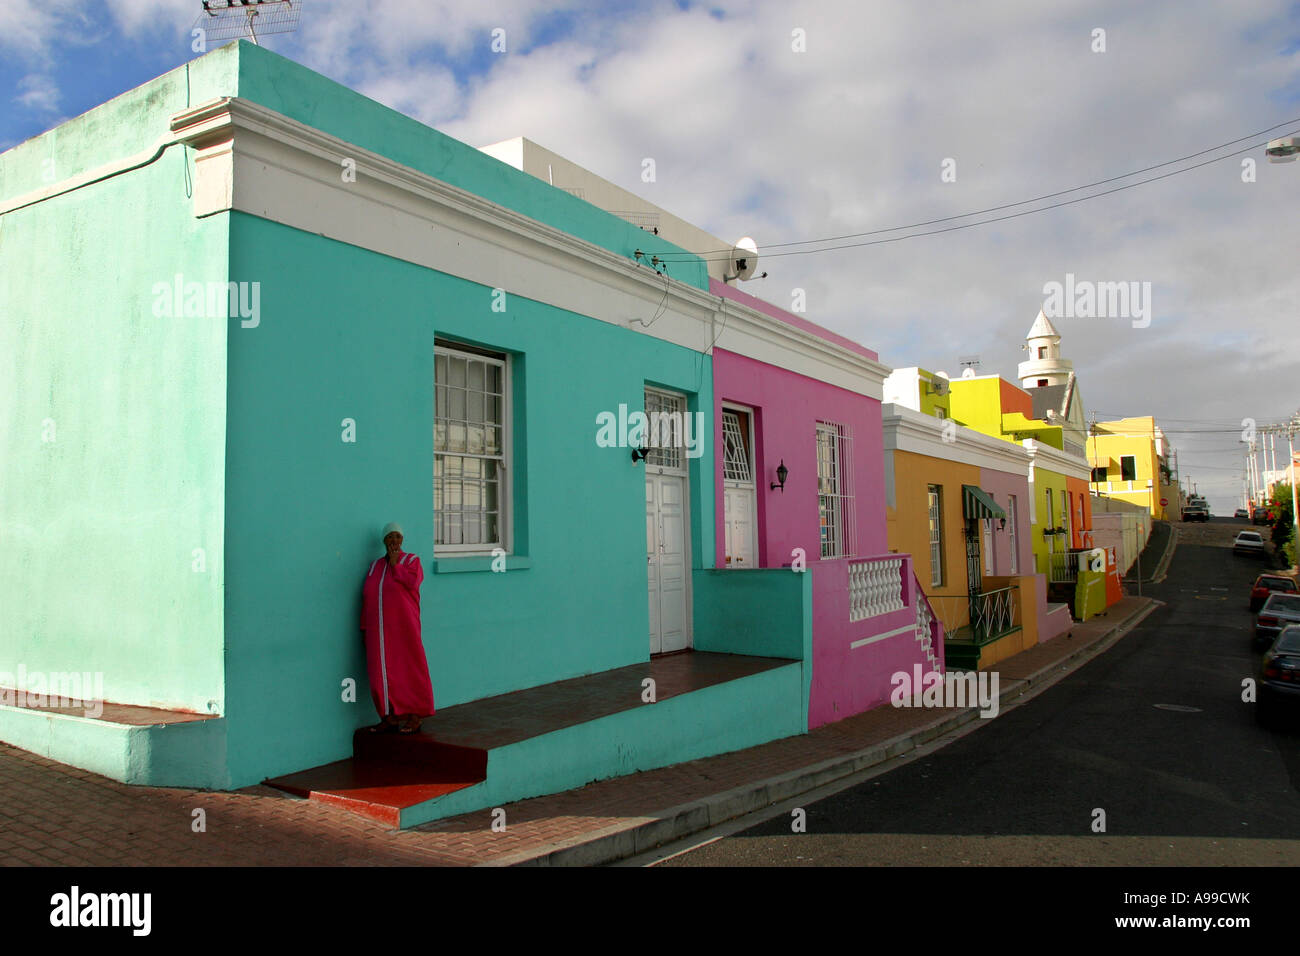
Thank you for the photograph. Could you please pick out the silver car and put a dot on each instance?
(1278, 611)
(1249, 542)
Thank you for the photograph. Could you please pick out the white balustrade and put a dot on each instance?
(875, 587)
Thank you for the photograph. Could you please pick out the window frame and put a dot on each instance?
(1130, 473)
(841, 444)
(990, 555)
(934, 518)
(505, 470)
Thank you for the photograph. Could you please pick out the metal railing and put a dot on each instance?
(993, 613)
(989, 614)
(1063, 568)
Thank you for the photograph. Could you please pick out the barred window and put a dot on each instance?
(834, 490)
(469, 449)
(735, 454)
(664, 428)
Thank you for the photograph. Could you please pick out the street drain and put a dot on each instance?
(1178, 708)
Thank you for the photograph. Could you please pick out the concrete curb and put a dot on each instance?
(636, 836)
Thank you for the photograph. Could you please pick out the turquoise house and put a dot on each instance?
(250, 316)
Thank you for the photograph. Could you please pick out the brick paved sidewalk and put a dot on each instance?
(54, 814)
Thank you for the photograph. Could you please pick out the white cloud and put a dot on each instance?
(38, 93)
(29, 28)
(752, 138)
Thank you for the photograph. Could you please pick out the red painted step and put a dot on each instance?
(387, 773)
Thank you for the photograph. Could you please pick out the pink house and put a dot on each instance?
(800, 485)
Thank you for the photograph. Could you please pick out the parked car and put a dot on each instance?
(1266, 584)
(1279, 678)
(1261, 516)
(1249, 542)
(1279, 611)
(1241, 513)
(1196, 513)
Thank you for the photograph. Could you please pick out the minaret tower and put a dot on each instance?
(1045, 365)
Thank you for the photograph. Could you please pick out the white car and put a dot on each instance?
(1248, 542)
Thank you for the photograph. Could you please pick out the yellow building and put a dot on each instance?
(1131, 461)
(959, 502)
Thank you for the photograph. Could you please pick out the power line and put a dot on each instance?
(722, 254)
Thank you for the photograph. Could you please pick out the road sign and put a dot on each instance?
(1164, 502)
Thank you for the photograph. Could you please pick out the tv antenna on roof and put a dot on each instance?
(223, 20)
(971, 362)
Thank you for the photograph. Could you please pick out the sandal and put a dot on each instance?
(384, 727)
(409, 727)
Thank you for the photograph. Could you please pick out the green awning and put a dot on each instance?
(977, 503)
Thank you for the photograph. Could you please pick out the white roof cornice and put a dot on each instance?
(255, 160)
(912, 431)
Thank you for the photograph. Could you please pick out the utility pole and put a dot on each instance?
(1250, 480)
(1291, 428)
(1254, 477)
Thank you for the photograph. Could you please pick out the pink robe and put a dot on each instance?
(390, 618)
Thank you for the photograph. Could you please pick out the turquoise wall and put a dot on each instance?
(764, 612)
(349, 334)
(112, 418)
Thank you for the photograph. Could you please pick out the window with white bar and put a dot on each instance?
(834, 490)
(935, 493)
(471, 439)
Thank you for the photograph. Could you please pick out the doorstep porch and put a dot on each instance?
(487, 753)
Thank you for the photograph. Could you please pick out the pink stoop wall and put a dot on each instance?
(849, 680)
(786, 408)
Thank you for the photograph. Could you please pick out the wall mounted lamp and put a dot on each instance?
(639, 454)
(1002, 525)
(781, 473)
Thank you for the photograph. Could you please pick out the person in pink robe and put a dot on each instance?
(390, 619)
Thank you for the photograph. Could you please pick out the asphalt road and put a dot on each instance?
(1153, 732)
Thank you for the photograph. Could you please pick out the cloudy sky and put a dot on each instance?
(791, 121)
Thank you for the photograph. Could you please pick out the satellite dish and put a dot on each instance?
(744, 259)
(939, 384)
(1283, 150)
(969, 373)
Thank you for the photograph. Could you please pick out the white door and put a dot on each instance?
(739, 526)
(667, 545)
(665, 529)
(738, 493)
